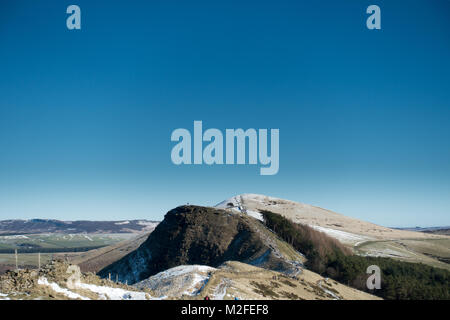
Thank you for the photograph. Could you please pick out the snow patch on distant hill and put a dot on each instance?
(342, 236)
(122, 223)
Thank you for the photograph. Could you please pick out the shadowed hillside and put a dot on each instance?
(201, 235)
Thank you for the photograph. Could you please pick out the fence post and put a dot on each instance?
(17, 264)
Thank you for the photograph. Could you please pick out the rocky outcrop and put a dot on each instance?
(199, 235)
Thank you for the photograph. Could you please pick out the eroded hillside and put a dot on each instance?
(205, 236)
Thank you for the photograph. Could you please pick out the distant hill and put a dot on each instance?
(33, 226)
(97, 259)
(433, 230)
(426, 246)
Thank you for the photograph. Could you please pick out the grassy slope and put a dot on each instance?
(400, 280)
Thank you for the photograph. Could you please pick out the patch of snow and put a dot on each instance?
(343, 236)
(221, 290)
(182, 280)
(335, 297)
(388, 253)
(236, 204)
(87, 237)
(4, 296)
(19, 236)
(180, 270)
(114, 293)
(255, 215)
(55, 287)
(147, 223)
(122, 223)
(229, 203)
(197, 281)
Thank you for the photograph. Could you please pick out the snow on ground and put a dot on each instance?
(255, 215)
(235, 203)
(385, 252)
(4, 296)
(55, 287)
(198, 283)
(180, 270)
(231, 202)
(20, 236)
(177, 281)
(106, 293)
(343, 236)
(221, 290)
(335, 297)
(147, 223)
(122, 223)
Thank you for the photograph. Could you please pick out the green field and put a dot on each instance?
(50, 245)
(24, 259)
(59, 242)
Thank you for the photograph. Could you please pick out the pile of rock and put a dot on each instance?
(18, 281)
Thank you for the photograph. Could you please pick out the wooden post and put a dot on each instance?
(117, 278)
(15, 253)
(39, 261)
(109, 276)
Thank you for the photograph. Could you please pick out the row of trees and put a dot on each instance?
(328, 257)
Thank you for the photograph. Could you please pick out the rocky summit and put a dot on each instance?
(205, 236)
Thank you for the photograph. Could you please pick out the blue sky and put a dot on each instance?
(86, 116)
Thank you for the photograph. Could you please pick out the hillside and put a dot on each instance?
(347, 229)
(53, 282)
(231, 280)
(363, 237)
(249, 247)
(205, 236)
(239, 280)
(36, 226)
(97, 259)
(433, 230)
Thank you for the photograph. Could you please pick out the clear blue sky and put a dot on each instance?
(86, 116)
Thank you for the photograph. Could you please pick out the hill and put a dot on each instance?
(205, 236)
(36, 226)
(97, 259)
(231, 280)
(365, 238)
(239, 280)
